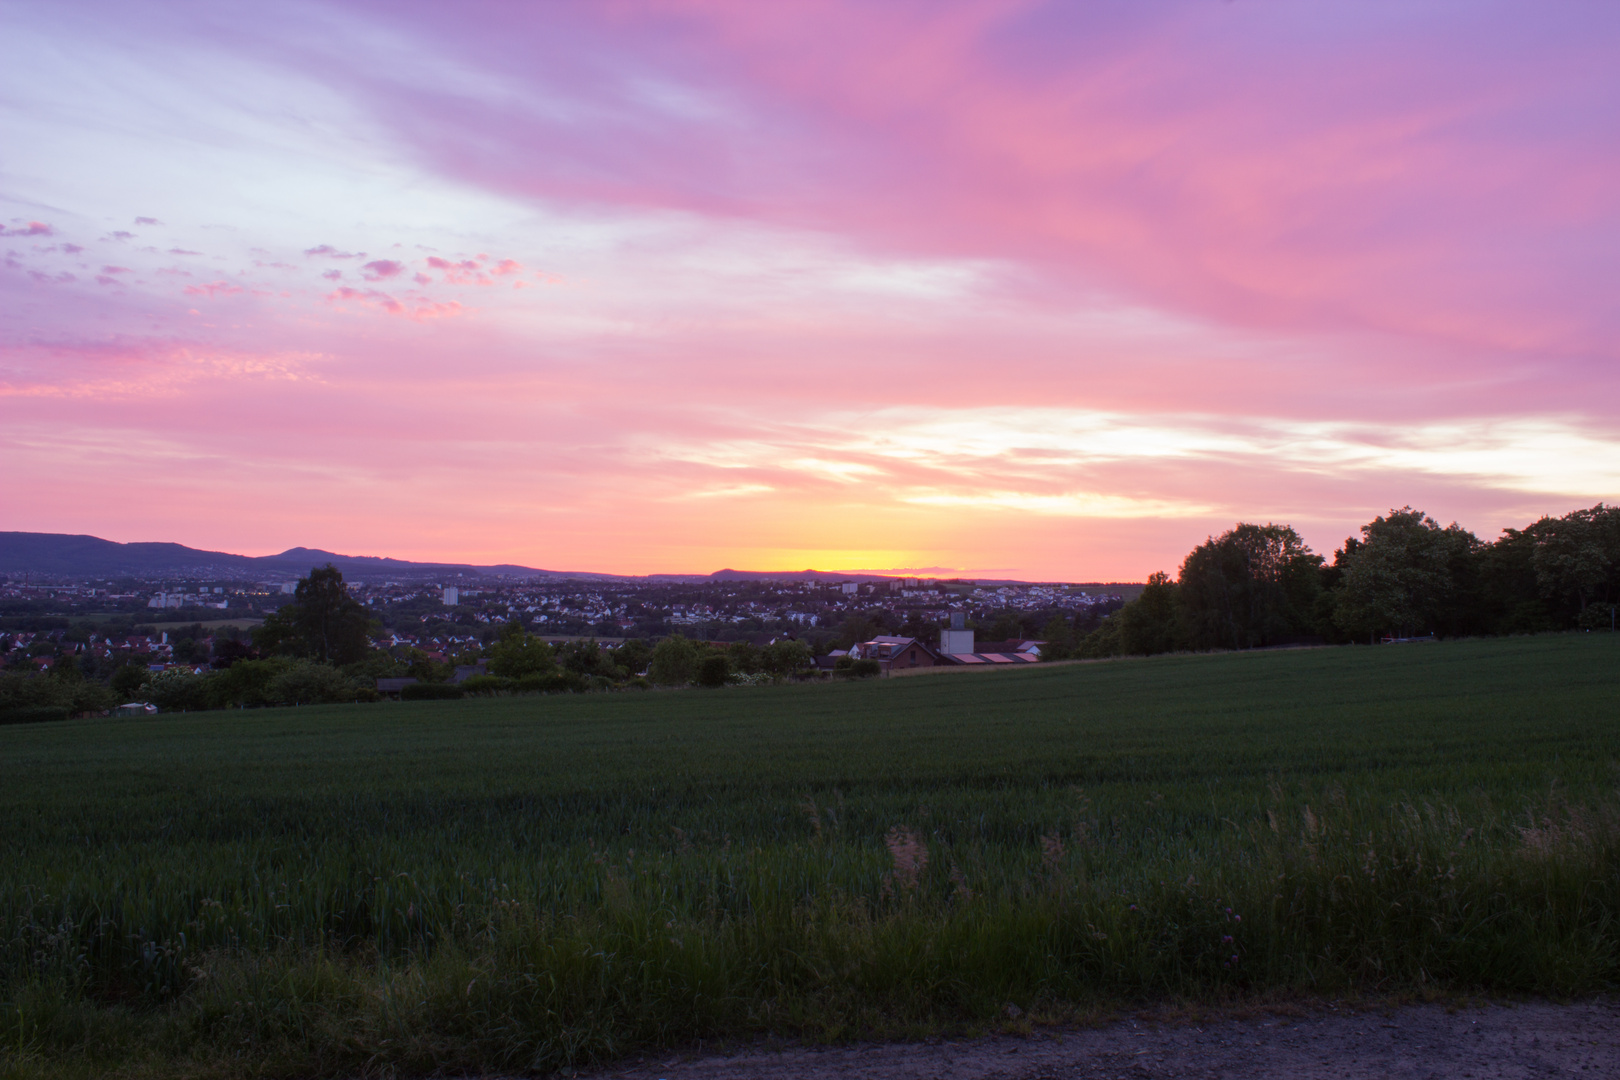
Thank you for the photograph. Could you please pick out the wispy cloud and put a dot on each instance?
(976, 285)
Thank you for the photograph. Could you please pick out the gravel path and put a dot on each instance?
(1417, 1041)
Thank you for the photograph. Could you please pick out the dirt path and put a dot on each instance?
(1418, 1042)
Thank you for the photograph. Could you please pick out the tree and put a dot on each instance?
(744, 657)
(1253, 585)
(519, 653)
(1403, 574)
(228, 652)
(585, 658)
(674, 662)
(856, 628)
(785, 659)
(918, 625)
(1058, 633)
(128, 680)
(323, 622)
(633, 656)
(1509, 592)
(1577, 557)
(1007, 627)
(1151, 623)
(1103, 641)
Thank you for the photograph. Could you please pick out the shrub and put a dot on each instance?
(560, 681)
(486, 685)
(429, 691)
(246, 682)
(179, 691)
(33, 714)
(674, 662)
(856, 669)
(713, 670)
(305, 682)
(785, 659)
(128, 680)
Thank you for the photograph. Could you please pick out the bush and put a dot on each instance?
(713, 670)
(430, 691)
(856, 669)
(1596, 617)
(520, 654)
(33, 714)
(784, 659)
(180, 691)
(486, 685)
(560, 681)
(246, 682)
(304, 682)
(128, 680)
(674, 662)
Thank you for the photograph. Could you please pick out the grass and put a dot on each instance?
(532, 884)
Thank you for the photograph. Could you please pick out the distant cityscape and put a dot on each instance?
(168, 619)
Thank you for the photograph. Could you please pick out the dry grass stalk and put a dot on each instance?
(959, 885)
(1578, 830)
(813, 812)
(910, 855)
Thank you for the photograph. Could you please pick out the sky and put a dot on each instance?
(1041, 290)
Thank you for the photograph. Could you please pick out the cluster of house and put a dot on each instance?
(155, 651)
(956, 647)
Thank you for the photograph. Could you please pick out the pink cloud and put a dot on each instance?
(464, 272)
(33, 228)
(417, 309)
(1179, 155)
(330, 252)
(380, 269)
(214, 288)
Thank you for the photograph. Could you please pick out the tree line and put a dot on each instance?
(1404, 576)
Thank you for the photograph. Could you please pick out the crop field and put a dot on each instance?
(538, 883)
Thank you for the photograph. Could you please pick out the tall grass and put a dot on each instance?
(527, 886)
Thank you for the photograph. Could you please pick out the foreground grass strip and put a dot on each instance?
(530, 884)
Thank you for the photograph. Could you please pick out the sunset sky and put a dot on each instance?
(1039, 290)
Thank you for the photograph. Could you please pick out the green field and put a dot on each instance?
(538, 882)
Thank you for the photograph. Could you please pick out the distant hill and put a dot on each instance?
(65, 555)
(72, 556)
(790, 575)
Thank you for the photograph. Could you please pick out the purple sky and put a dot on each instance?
(1053, 290)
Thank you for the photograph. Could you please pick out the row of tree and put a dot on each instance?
(1404, 576)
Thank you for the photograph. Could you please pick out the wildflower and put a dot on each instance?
(1227, 940)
